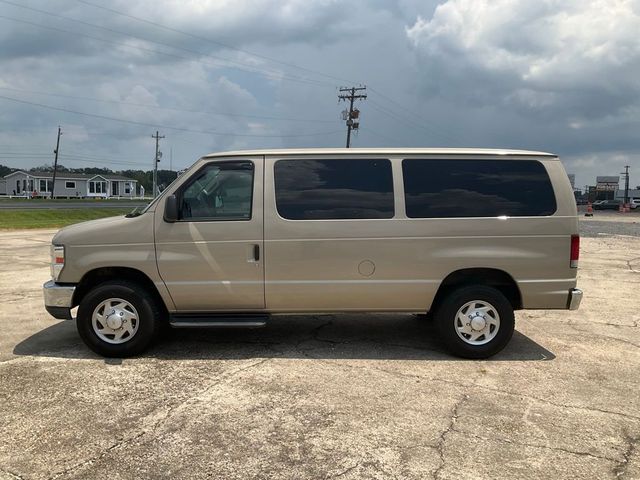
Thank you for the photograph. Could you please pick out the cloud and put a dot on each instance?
(569, 58)
(560, 76)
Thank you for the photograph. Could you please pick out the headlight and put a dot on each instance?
(57, 261)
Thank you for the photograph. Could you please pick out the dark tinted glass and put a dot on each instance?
(334, 189)
(476, 188)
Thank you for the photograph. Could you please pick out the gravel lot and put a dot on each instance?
(349, 397)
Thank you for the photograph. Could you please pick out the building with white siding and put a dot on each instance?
(70, 185)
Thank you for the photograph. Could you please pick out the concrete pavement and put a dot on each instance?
(348, 396)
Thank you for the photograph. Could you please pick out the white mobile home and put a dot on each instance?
(70, 185)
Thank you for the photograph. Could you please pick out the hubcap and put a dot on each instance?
(115, 321)
(477, 322)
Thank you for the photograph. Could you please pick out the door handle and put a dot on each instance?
(256, 253)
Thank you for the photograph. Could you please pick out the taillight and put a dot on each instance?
(575, 251)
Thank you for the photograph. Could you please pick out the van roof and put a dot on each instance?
(385, 151)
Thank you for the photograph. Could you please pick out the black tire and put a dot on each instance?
(425, 317)
(445, 318)
(148, 322)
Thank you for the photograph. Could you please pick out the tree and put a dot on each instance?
(6, 170)
(165, 177)
(144, 179)
(48, 168)
(93, 170)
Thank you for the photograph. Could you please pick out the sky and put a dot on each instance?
(561, 76)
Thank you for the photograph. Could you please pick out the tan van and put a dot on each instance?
(466, 235)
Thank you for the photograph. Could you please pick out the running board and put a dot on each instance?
(217, 320)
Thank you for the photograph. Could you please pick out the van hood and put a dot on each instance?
(108, 231)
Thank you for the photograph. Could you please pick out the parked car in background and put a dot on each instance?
(635, 203)
(608, 205)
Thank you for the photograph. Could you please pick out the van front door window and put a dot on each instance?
(220, 192)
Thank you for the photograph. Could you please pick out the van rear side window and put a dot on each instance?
(334, 189)
(476, 188)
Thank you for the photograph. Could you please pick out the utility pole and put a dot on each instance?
(352, 116)
(626, 183)
(55, 162)
(157, 136)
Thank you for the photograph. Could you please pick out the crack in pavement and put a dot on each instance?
(589, 322)
(584, 332)
(343, 472)
(156, 425)
(196, 398)
(469, 385)
(620, 470)
(315, 336)
(442, 439)
(15, 476)
(634, 270)
(95, 458)
(532, 445)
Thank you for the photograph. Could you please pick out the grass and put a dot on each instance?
(50, 218)
(4, 198)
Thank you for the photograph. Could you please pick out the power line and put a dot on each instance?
(251, 68)
(274, 76)
(373, 132)
(225, 45)
(214, 42)
(401, 119)
(25, 153)
(72, 155)
(92, 25)
(80, 160)
(118, 102)
(405, 109)
(231, 47)
(92, 157)
(133, 122)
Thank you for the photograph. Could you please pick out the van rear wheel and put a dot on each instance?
(475, 321)
(118, 319)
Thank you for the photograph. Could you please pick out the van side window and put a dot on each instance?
(220, 191)
(333, 189)
(436, 188)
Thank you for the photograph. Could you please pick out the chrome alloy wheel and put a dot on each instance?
(477, 322)
(115, 321)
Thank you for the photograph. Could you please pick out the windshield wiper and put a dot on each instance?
(136, 212)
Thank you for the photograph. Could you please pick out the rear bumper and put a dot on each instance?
(575, 297)
(58, 299)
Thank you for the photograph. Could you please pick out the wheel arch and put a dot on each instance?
(489, 277)
(100, 275)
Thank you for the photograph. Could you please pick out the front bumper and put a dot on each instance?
(58, 299)
(575, 297)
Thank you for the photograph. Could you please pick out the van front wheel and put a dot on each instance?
(118, 319)
(475, 321)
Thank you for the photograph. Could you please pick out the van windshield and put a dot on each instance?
(144, 208)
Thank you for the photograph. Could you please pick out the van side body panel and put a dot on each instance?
(399, 263)
(103, 244)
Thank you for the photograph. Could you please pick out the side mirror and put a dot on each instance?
(171, 209)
